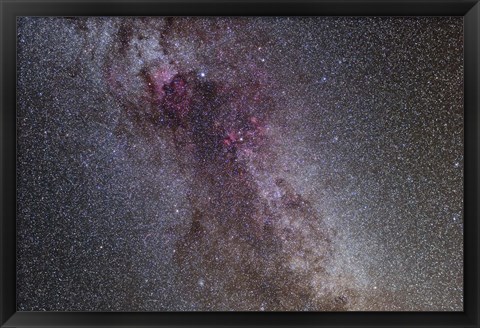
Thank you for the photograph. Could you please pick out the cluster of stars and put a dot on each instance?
(240, 164)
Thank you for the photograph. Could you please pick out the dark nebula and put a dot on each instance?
(220, 127)
(258, 164)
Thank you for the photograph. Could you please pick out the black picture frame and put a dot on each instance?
(9, 10)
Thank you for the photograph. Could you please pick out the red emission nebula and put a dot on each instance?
(263, 241)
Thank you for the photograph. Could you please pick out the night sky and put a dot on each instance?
(240, 164)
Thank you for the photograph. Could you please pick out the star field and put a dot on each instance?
(240, 164)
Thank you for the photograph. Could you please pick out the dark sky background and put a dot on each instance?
(259, 164)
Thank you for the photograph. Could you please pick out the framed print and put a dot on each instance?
(226, 163)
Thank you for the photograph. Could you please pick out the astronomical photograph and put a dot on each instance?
(274, 164)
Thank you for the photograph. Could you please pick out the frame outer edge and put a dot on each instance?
(472, 99)
(472, 102)
(7, 165)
